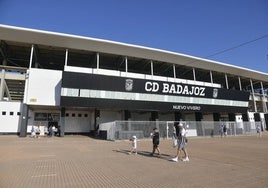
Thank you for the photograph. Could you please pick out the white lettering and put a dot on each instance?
(165, 88)
(148, 86)
(185, 90)
(151, 86)
(196, 91)
(175, 89)
(195, 108)
(202, 91)
(155, 87)
(172, 89)
(192, 91)
(179, 107)
(179, 89)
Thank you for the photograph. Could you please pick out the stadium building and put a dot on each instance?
(78, 83)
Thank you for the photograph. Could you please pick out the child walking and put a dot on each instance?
(156, 139)
(133, 145)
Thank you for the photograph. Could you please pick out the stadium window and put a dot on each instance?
(67, 115)
(18, 113)
(79, 115)
(86, 115)
(72, 92)
(73, 115)
(4, 113)
(11, 113)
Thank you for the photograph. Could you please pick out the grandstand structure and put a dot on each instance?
(77, 83)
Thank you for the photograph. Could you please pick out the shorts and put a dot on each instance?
(181, 144)
(156, 144)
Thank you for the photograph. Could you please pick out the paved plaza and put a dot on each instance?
(81, 161)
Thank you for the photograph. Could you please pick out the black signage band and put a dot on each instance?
(147, 106)
(116, 95)
(113, 83)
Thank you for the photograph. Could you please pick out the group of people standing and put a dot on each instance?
(223, 130)
(50, 131)
(179, 135)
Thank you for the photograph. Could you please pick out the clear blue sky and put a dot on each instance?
(193, 27)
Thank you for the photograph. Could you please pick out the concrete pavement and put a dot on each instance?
(81, 161)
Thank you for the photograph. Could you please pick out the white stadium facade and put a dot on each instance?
(78, 83)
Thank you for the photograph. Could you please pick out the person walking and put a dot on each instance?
(133, 145)
(156, 140)
(224, 130)
(258, 131)
(221, 131)
(181, 145)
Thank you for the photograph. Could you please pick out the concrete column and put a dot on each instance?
(178, 116)
(245, 117)
(152, 68)
(126, 64)
(198, 116)
(62, 122)
(127, 115)
(239, 81)
(194, 74)
(253, 96)
(216, 117)
(98, 60)
(266, 120)
(226, 81)
(263, 99)
(231, 116)
(211, 77)
(154, 116)
(31, 57)
(96, 119)
(257, 117)
(174, 71)
(2, 84)
(24, 120)
(199, 126)
(66, 57)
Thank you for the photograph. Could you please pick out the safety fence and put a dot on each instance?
(121, 130)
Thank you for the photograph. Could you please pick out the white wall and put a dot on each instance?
(238, 118)
(78, 121)
(44, 87)
(10, 123)
(251, 116)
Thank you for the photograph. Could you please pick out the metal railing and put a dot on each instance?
(120, 130)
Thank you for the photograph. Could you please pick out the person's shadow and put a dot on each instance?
(146, 154)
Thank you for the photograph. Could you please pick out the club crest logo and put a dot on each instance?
(215, 93)
(129, 84)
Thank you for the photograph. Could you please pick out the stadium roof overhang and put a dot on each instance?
(38, 37)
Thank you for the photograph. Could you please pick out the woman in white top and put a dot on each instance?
(181, 145)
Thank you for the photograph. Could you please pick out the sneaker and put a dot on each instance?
(186, 159)
(175, 159)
